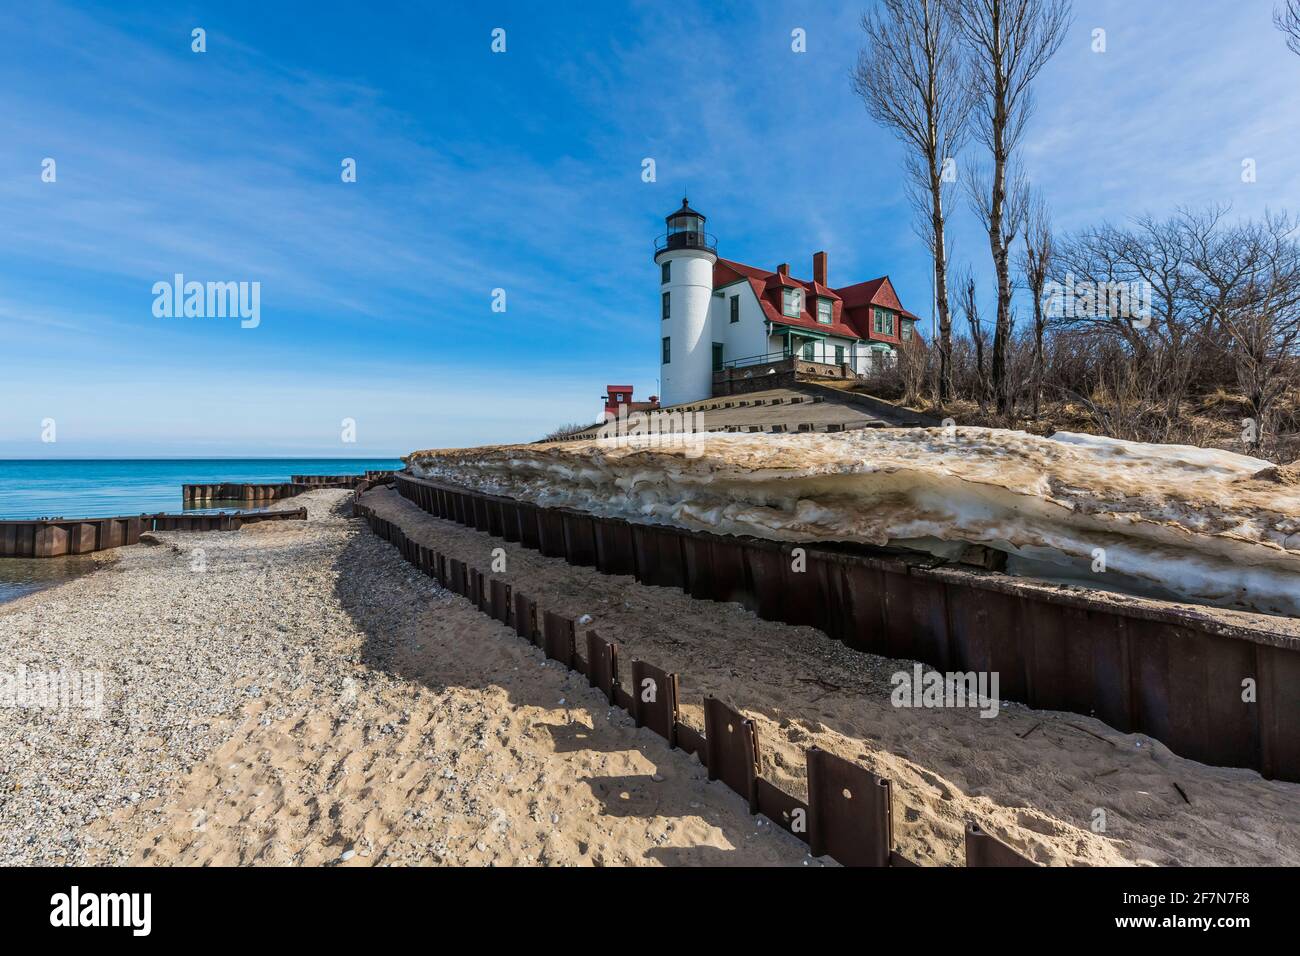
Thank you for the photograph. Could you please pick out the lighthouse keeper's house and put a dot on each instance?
(718, 314)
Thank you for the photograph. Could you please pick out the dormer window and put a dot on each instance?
(883, 324)
(792, 302)
(824, 311)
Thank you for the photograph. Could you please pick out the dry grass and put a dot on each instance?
(1209, 420)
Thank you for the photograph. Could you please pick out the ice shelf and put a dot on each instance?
(1177, 521)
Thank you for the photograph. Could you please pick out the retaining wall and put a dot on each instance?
(1151, 668)
(849, 811)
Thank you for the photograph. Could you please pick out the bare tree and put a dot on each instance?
(1287, 19)
(1010, 41)
(1218, 301)
(969, 307)
(1250, 286)
(911, 78)
(1138, 283)
(1035, 265)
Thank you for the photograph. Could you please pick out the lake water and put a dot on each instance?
(103, 489)
(106, 488)
(19, 576)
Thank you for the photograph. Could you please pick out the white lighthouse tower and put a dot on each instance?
(685, 257)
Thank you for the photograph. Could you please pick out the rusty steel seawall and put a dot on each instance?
(55, 538)
(1161, 671)
(849, 812)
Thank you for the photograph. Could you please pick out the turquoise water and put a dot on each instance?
(104, 488)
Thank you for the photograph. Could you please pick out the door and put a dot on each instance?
(839, 355)
(808, 352)
(717, 356)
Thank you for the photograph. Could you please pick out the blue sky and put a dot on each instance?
(519, 171)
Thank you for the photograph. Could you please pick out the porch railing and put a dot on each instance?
(758, 359)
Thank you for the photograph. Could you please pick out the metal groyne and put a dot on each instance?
(1221, 694)
(257, 492)
(57, 537)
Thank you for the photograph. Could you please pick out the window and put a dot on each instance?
(666, 272)
(824, 311)
(668, 349)
(907, 331)
(884, 322)
(792, 302)
(839, 355)
(735, 308)
(717, 356)
(618, 396)
(668, 304)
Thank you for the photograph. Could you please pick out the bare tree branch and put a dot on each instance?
(1287, 19)
(911, 77)
(1035, 265)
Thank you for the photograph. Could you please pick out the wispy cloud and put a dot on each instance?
(520, 171)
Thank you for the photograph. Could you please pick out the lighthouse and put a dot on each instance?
(685, 255)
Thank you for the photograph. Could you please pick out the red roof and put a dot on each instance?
(850, 306)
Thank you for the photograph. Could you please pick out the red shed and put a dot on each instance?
(620, 396)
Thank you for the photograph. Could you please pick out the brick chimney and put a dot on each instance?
(819, 268)
(783, 269)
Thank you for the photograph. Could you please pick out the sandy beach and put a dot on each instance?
(308, 698)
